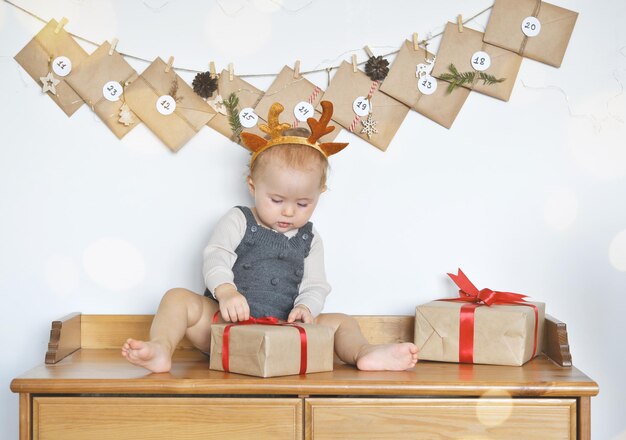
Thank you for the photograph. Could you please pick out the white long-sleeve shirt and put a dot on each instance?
(220, 257)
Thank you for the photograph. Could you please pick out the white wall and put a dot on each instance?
(526, 196)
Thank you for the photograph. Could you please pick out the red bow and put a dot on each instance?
(470, 293)
(264, 320)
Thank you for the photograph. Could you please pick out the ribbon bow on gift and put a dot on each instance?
(470, 293)
(263, 320)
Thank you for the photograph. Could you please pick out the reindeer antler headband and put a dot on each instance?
(275, 129)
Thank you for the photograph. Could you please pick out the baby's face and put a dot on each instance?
(284, 197)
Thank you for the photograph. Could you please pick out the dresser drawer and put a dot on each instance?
(114, 418)
(400, 419)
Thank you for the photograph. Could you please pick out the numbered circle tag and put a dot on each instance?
(62, 66)
(427, 84)
(303, 111)
(112, 91)
(166, 105)
(361, 106)
(531, 26)
(481, 61)
(248, 118)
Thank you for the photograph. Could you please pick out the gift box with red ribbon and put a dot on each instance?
(480, 326)
(267, 347)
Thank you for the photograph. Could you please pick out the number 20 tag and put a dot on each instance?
(531, 26)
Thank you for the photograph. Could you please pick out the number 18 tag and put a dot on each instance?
(481, 61)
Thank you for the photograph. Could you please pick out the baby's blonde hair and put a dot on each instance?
(296, 156)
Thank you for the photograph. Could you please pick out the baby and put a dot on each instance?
(268, 260)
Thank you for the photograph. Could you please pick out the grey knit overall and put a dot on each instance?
(269, 267)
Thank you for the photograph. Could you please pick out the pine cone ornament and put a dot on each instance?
(377, 68)
(204, 85)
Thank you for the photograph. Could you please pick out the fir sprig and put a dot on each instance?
(458, 79)
(231, 104)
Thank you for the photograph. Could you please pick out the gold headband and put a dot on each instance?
(256, 144)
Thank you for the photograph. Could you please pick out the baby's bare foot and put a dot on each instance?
(148, 354)
(394, 357)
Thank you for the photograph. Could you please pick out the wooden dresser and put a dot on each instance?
(86, 390)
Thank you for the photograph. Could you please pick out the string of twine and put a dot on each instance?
(249, 75)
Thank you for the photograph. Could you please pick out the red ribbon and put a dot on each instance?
(476, 298)
(264, 320)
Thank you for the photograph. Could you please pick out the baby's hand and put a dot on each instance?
(233, 305)
(300, 313)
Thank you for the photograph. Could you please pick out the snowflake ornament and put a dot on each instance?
(369, 126)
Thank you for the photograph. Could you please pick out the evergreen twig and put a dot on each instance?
(231, 104)
(457, 79)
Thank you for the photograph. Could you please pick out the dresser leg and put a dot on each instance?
(584, 418)
(25, 416)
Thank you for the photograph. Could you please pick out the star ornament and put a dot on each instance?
(369, 126)
(49, 83)
(218, 104)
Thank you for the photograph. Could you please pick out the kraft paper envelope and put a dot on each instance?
(458, 48)
(89, 79)
(290, 91)
(45, 47)
(346, 87)
(402, 84)
(503, 335)
(504, 29)
(248, 96)
(272, 350)
(191, 112)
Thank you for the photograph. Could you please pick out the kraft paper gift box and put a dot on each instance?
(190, 113)
(291, 90)
(508, 332)
(248, 96)
(272, 350)
(508, 17)
(459, 48)
(90, 78)
(402, 84)
(345, 88)
(38, 56)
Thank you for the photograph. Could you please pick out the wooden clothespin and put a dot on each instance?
(231, 71)
(459, 22)
(212, 69)
(296, 70)
(170, 61)
(61, 24)
(416, 43)
(368, 51)
(354, 68)
(113, 46)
